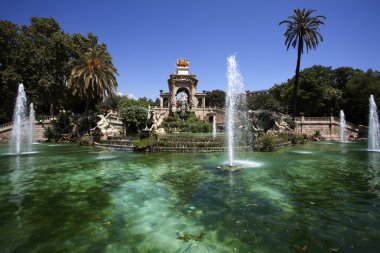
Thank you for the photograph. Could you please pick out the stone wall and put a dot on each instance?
(328, 127)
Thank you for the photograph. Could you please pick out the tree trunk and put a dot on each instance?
(87, 106)
(295, 86)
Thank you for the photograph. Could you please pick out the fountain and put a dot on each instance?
(213, 126)
(30, 132)
(373, 127)
(23, 128)
(342, 127)
(235, 113)
(234, 89)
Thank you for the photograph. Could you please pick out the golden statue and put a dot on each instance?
(182, 63)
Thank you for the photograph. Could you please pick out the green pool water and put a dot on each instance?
(317, 197)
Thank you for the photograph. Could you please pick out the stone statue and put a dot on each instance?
(183, 99)
(104, 125)
(157, 119)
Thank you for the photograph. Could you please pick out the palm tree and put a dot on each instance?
(302, 30)
(93, 75)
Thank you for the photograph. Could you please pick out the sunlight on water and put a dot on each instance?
(302, 152)
(79, 199)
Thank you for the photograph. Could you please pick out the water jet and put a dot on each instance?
(23, 126)
(373, 126)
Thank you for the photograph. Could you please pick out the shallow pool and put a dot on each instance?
(305, 198)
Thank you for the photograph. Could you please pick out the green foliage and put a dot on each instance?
(40, 56)
(264, 102)
(50, 134)
(265, 143)
(93, 75)
(269, 142)
(108, 103)
(355, 96)
(192, 124)
(216, 98)
(61, 125)
(324, 91)
(85, 140)
(133, 113)
(302, 30)
(298, 138)
(145, 144)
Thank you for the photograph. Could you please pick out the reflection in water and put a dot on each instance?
(69, 200)
(374, 169)
(22, 169)
(17, 193)
(231, 179)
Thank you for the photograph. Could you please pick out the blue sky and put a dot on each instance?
(146, 37)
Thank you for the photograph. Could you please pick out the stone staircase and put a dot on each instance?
(39, 133)
(6, 130)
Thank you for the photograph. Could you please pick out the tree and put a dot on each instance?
(302, 30)
(216, 98)
(93, 75)
(355, 98)
(134, 113)
(108, 103)
(9, 79)
(44, 52)
(264, 102)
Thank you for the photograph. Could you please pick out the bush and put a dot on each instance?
(145, 144)
(85, 140)
(61, 125)
(49, 134)
(298, 138)
(265, 143)
(192, 124)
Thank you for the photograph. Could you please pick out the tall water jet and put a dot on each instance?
(235, 90)
(18, 120)
(213, 126)
(30, 132)
(342, 126)
(23, 127)
(373, 126)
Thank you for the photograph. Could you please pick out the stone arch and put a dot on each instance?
(186, 91)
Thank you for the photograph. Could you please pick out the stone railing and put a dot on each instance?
(327, 127)
(6, 125)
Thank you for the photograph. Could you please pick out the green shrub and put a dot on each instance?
(298, 138)
(49, 134)
(265, 143)
(145, 144)
(85, 140)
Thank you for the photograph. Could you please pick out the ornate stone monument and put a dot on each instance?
(184, 83)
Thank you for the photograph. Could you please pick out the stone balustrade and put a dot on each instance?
(327, 127)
